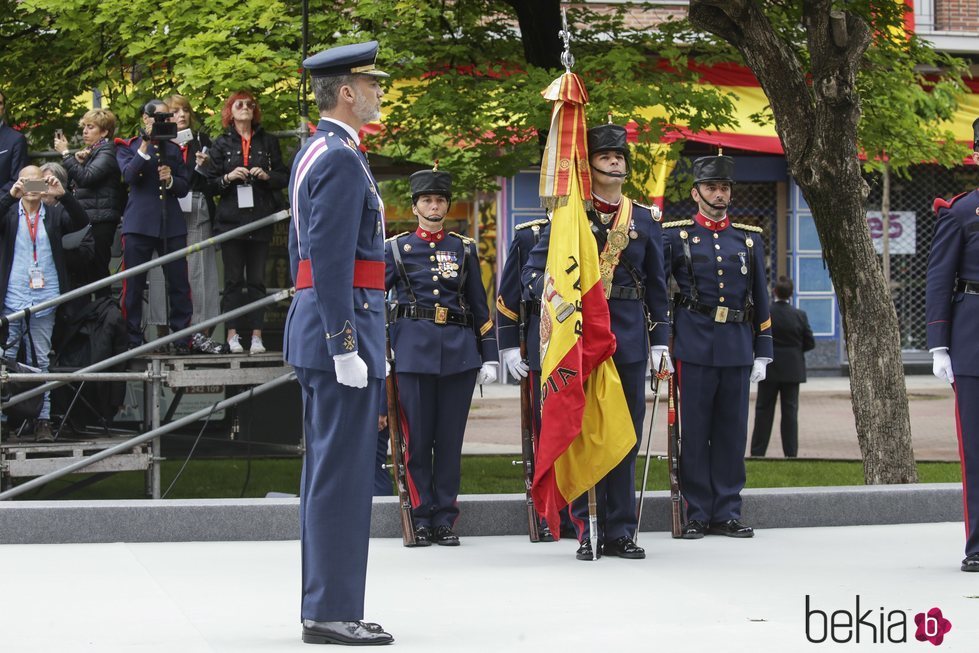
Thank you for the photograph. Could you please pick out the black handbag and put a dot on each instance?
(29, 408)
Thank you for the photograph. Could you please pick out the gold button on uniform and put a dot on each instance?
(721, 300)
(366, 306)
(718, 259)
(432, 245)
(720, 272)
(720, 285)
(716, 236)
(431, 258)
(435, 292)
(716, 246)
(435, 278)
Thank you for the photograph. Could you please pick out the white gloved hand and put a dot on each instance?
(487, 373)
(387, 368)
(941, 365)
(351, 370)
(758, 370)
(659, 354)
(515, 364)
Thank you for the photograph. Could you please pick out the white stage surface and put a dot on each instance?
(500, 594)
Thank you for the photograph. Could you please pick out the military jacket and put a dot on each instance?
(726, 270)
(952, 313)
(441, 273)
(640, 267)
(512, 293)
(144, 207)
(336, 218)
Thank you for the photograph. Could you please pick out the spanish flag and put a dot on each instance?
(586, 428)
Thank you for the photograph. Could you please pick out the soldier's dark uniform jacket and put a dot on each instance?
(512, 293)
(952, 315)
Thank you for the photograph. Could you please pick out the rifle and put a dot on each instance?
(527, 434)
(398, 446)
(654, 380)
(673, 454)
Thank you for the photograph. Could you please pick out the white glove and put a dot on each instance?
(758, 370)
(487, 373)
(351, 370)
(387, 369)
(658, 354)
(515, 365)
(941, 365)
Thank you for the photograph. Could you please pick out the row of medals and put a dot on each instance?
(606, 218)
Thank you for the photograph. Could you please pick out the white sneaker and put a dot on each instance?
(257, 346)
(234, 345)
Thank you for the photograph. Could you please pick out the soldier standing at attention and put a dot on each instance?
(722, 343)
(334, 338)
(630, 245)
(444, 344)
(952, 311)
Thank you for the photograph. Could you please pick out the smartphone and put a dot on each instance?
(35, 186)
(58, 133)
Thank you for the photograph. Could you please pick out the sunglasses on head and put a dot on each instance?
(244, 104)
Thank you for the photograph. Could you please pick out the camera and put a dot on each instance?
(35, 186)
(162, 129)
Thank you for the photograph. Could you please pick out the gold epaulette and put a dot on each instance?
(678, 223)
(403, 233)
(533, 223)
(747, 227)
(465, 239)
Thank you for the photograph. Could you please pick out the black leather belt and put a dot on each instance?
(532, 306)
(438, 315)
(625, 292)
(721, 314)
(968, 287)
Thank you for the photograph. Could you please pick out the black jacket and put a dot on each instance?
(226, 155)
(97, 183)
(65, 216)
(792, 336)
(200, 181)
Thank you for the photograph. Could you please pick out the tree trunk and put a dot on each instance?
(817, 124)
(540, 22)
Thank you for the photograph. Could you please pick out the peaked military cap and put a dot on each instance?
(975, 134)
(713, 168)
(354, 59)
(430, 182)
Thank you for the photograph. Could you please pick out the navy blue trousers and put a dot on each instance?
(137, 249)
(967, 428)
(435, 410)
(616, 493)
(713, 410)
(340, 425)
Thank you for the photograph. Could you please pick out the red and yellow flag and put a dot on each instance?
(586, 428)
(566, 150)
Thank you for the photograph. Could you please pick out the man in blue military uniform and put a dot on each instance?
(153, 222)
(13, 150)
(629, 238)
(721, 343)
(334, 337)
(444, 344)
(952, 313)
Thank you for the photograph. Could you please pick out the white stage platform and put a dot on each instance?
(495, 593)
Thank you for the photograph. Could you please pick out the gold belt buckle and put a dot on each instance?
(720, 315)
(441, 315)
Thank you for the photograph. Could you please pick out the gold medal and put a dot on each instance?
(695, 239)
(633, 234)
(617, 239)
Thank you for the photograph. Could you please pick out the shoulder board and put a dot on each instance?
(747, 227)
(403, 233)
(942, 203)
(124, 141)
(538, 223)
(465, 239)
(654, 211)
(678, 223)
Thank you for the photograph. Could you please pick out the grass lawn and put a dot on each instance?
(225, 478)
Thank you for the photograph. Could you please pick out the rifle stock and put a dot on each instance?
(398, 450)
(673, 454)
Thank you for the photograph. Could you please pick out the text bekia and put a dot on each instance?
(873, 625)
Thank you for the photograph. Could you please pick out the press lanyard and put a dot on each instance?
(32, 228)
(246, 146)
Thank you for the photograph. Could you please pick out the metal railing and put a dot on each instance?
(154, 376)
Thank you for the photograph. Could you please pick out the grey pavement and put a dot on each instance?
(501, 594)
(826, 425)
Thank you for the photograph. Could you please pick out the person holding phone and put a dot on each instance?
(93, 175)
(248, 173)
(34, 215)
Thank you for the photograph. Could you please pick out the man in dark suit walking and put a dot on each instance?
(792, 337)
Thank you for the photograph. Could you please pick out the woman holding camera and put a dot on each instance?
(93, 174)
(248, 172)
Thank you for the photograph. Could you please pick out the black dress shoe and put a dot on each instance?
(731, 528)
(971, 563)
(585, 551)
(544, 533)
(423, 536)
(356, 633)
(624, 547)
(694, 530)
(445, 537)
